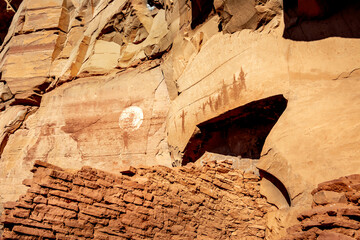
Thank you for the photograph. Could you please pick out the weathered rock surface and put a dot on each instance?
(106, 122)
(117, 83)
(108, 115)
(309, 114)
(208, 201)
(313, 90)
(335, 212)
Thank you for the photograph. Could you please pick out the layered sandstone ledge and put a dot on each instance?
(212, 201)
(335, 213)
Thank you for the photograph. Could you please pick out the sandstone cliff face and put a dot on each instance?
(108, 118)
(117, 83)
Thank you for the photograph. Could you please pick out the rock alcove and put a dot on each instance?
(238, 132)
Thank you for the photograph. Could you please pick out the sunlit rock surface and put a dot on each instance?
(113, 84)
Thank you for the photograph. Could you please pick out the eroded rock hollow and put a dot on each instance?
(238, 132)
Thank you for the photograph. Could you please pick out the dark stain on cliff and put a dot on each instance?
(125, 137)
(183, 114)
(47, 133)
(200, 10)
(8, 10)
(309, 20)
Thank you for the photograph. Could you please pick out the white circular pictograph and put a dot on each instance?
(131, 118)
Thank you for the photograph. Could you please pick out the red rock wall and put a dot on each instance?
(212, 201)
(335, 213)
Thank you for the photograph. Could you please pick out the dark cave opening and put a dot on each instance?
(8, 10)
(238, 132)
(200, 10)
(155, 3)
(309, 20)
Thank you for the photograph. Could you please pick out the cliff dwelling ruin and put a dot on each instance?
(179, 119)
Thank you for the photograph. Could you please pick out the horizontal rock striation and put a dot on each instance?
(212, 201)
(335, 213)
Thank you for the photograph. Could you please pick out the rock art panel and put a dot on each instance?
(51, 42)
(80, 83)
(131, 118)
(243, 71)
(108, 122)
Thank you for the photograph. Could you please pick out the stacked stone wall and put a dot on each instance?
(335, 213)
(212, 201)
